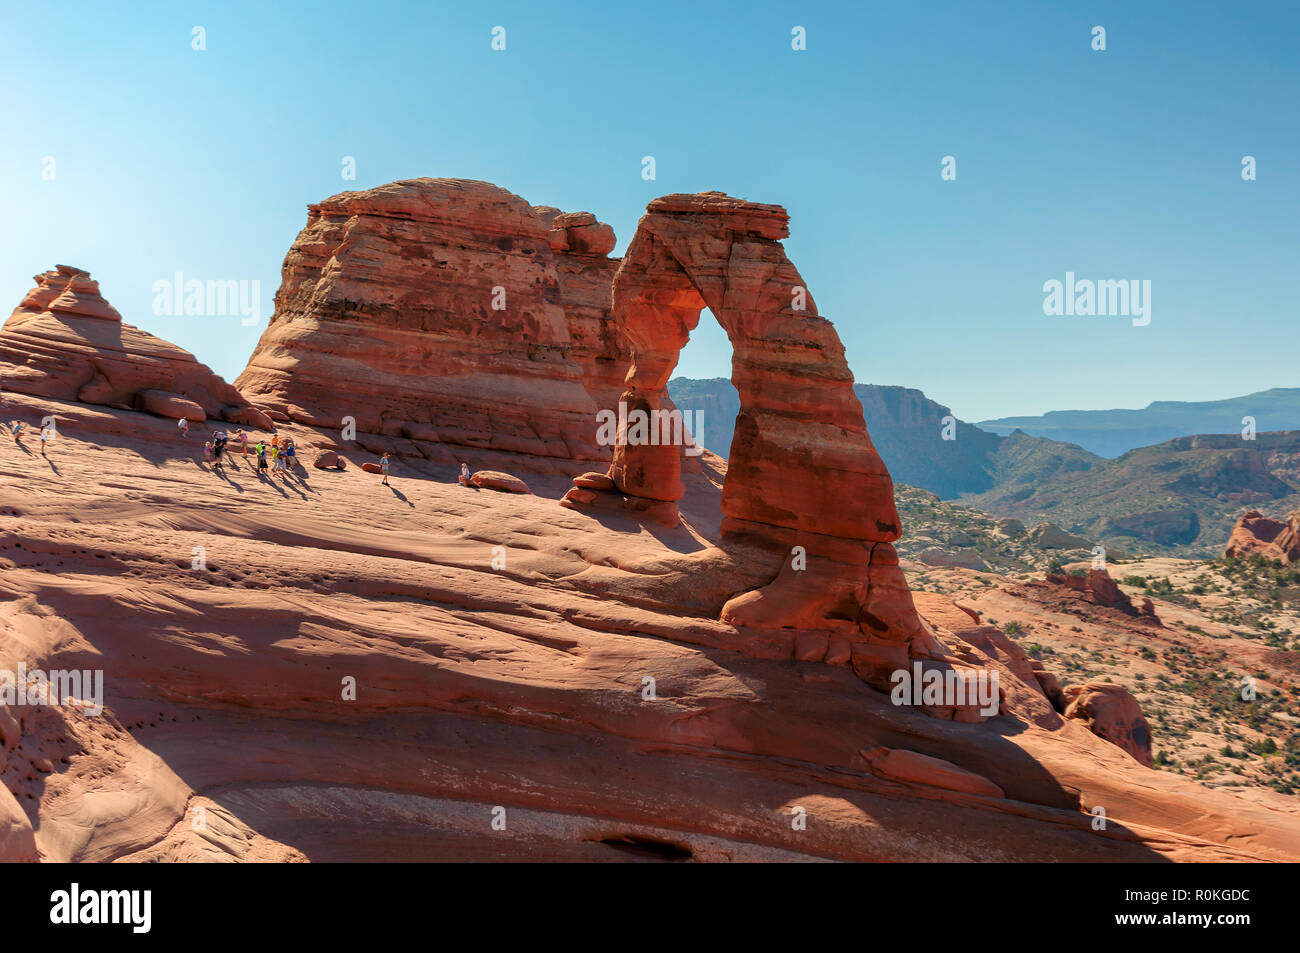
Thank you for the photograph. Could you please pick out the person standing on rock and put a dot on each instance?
(261, 456)
(383, 466)
(242, 439)
(464, 473)
(183, 425)
(218, 448)
(17, 427)
(47, 437)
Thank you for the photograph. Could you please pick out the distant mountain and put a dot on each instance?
(907, 429)
(1180, 497)
(1177, 497)
(1109, 433)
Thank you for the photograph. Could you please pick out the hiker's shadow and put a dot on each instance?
(221, 472)
(56, 470)
(262, 477)
(401, 496)
(24, 449)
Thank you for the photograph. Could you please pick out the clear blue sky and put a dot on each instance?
(1116, 164)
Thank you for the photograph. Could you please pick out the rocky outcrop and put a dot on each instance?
(1051, 536)
(64, 341)
(804, 482)
(1257, 535)
(431, 310)
(1111, 712)
(1100, 589)
(581, 246)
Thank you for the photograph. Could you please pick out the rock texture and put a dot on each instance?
(1099, 588)
(64, 341)
(1257, 535)
(430, 310)
(1111, 712)
(804, 481)
(581, 246)
(484, 682)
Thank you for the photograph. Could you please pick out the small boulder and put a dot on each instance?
(328, 460)
(593, 481)
(580, 495)
(162, 403)
(496, 480)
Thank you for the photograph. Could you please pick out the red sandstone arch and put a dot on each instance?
(802, 468)
(801, 458)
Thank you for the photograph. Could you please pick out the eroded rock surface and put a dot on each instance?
(65, 341)
(428, 310)
(804, 481)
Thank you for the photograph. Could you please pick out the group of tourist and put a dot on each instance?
(279, 455)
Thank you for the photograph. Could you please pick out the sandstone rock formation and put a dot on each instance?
(65, 342)
(804, 481)
(495, 480)
(521, 685)
(1099, 587)
(1111, 712)
(581, 246)
(430, 310)
(1256, 534)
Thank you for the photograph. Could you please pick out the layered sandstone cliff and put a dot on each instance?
(431, 310)
(66, 342)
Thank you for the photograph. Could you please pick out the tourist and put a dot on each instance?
(218, 448)
(47, 437)
(242, 439)
(383, 466)
(183, 425)
(261, 456)
(18, 427)
(207, 451)
(464, 473)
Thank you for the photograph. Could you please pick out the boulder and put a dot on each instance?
(1111, 712)
(495, 480)
(163, 404)
(593, 481)
(328, 460)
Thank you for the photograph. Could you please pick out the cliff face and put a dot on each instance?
(581, 246)
(428, 309)
(65, 341)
